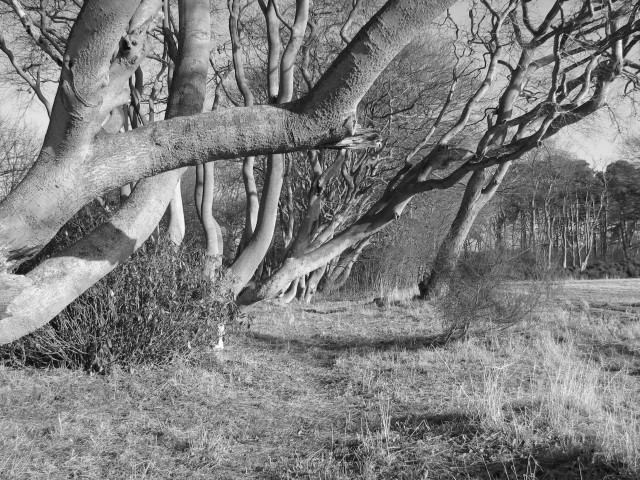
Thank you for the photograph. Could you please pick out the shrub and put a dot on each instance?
(483, 294)
(153, 307)
(633, 269)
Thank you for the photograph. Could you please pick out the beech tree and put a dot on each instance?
(340, 187)
(78, 161)
(574, 79)
(84, 155)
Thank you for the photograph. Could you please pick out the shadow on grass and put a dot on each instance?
(457, 422)
(329, 348)
(614, 349)
(487, 455)
(549, 464)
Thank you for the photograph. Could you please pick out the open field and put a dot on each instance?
(343, 390)
(620, 291)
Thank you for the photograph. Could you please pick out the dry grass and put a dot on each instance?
(345, 390)
(619, 291)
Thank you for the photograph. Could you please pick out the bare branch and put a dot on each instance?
(34, 85)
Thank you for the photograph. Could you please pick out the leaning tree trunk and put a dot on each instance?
(476, 195)
(452, 246)
(343, 268)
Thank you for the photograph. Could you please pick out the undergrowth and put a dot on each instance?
(153, 307)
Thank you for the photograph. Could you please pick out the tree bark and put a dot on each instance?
(312, 283)
(32, 214)
(342, 271)
(28, 302)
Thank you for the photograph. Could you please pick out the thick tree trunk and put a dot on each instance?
(30, 214)
(476, 196)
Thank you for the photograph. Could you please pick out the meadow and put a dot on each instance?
(617, 293)
(346, 389)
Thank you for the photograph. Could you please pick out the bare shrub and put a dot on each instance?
(484, 293)
(155, 306)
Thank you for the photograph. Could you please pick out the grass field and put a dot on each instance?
(347, 390)
(624, 292)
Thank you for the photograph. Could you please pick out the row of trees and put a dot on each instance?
(553, 215)
(337, 132)
(562, 211)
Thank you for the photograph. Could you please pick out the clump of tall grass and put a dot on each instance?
(557, 396)
(153, 307)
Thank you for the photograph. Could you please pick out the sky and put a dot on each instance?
(600, 141)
